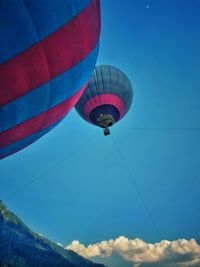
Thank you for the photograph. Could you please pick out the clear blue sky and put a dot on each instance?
(89, 195)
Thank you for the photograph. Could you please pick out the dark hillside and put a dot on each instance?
(21, 247)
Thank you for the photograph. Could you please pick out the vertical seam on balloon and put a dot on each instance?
(109, 91)
(96, 84)
(84, 44)
(95, 99)
(47, 64)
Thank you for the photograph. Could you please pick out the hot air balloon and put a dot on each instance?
(107, 98)
(47, 54)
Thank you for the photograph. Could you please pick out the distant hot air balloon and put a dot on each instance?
(47, 54)
(107, 97)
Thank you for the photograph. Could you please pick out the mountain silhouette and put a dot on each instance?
(21, 247)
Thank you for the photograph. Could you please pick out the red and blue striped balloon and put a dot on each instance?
(107, 98)
(47, 54)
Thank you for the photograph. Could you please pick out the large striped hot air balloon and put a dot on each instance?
(47, 54)
(107, 98)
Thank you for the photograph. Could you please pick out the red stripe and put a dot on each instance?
(52, 56)
(103, 99)
(39, 122)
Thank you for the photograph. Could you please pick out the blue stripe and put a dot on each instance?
(48, 95)
(25, 22)
(26, 141)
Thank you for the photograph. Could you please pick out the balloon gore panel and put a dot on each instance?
(48, 52)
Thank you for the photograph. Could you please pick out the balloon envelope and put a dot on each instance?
(47, 54)
(107, 98)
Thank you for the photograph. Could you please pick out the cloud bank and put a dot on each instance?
(183, 252)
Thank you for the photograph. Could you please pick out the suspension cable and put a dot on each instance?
(137, 189)
(166, 128)
(47, 171)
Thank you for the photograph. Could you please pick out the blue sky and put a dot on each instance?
(81, 189)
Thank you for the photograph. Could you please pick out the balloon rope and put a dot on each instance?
(104, 193)
(137, 189)
(166, 128)
(47, 171)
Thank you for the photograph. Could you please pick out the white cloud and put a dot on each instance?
(182, 252)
